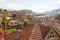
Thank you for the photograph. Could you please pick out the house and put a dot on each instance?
(20, 16)
(16, 24)
(24, 34)
(36, 31)
(13, 22)
(49, 32)
(9, 15)
(21, 24)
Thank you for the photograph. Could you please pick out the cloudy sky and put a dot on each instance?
(34, 5)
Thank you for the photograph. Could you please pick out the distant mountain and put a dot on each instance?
(53, 12)
(26, 11)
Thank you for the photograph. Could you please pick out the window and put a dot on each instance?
(11, 23)
(15, 23)
(52, 32)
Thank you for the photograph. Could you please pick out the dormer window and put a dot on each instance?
(15, 23)
(52, 35)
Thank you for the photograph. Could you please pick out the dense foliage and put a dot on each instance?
(57, 17)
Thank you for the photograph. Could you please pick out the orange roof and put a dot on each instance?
(13, 21)
(44, 30)
(27, 32)
(1, 36)
(24, 35)
(1, 29)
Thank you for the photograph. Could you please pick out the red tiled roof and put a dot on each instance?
(1, 36)
(44, 30)
(13, 21)
(27, 32)
(11, 36)
(9, 14)
(1, 29)
(24, 35)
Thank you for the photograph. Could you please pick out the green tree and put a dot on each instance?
(0, 9)
(57, 17)
(5, 20)
(26, 22)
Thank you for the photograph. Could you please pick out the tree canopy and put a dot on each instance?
(57, 17)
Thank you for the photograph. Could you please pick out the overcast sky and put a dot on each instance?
(35, 5)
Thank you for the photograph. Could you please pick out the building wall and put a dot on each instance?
(54, 39)
(12, 24)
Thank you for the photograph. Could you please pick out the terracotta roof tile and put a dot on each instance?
(1, 36)
(13, 21)
(40, 31)
(44, 30)
(25, 34)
